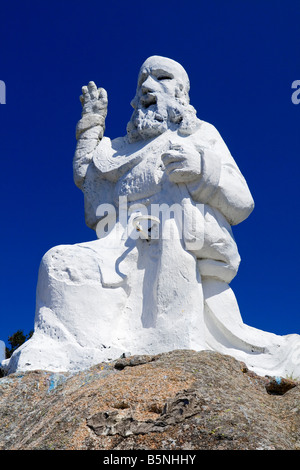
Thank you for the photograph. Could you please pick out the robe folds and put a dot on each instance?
(162, 286)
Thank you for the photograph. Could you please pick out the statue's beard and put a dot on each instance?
(148, 122)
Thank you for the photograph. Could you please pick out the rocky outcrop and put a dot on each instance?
(182, 400)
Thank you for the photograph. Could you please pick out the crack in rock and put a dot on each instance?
(109, 423)
(133, 361)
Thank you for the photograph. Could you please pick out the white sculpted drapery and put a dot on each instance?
(158, 278)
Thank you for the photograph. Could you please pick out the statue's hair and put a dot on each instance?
(188, 120)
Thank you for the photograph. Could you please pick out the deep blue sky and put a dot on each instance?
(241, 56)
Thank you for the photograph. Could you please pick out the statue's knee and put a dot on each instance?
(71, 263)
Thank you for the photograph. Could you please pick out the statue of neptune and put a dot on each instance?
(162, 201)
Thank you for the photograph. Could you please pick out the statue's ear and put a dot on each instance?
(190, 122)
(181, 94)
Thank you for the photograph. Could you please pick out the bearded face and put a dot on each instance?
(161, 101)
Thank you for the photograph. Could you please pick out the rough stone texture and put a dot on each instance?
(179, 400)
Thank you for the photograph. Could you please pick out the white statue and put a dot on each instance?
(162, 201)
(2, 351)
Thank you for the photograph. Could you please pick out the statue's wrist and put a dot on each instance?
(89, 121)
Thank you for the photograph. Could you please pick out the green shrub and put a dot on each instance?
(16, 340)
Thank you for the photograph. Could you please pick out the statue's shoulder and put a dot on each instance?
(112, 146)
(206, 130)
(210, 137)
(122, 145)
(207, 136)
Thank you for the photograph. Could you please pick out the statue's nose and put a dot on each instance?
(148, 85)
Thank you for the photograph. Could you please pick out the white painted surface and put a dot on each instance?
(123, 294)
(2, 351)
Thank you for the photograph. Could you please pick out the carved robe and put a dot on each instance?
(120, 294)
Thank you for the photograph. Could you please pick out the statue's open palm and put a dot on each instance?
(93, 100)
(94, 110)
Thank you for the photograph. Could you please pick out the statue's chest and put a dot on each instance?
(145, 178)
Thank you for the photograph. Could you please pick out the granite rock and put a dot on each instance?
(182, 400)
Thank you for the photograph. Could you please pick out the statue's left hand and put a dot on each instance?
(182, 163)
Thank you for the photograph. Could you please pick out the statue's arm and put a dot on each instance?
(89, 130)
(221, 184)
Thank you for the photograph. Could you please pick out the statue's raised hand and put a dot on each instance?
(93, 100)
(94, 109)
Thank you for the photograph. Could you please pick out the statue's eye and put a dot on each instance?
(164, 77)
